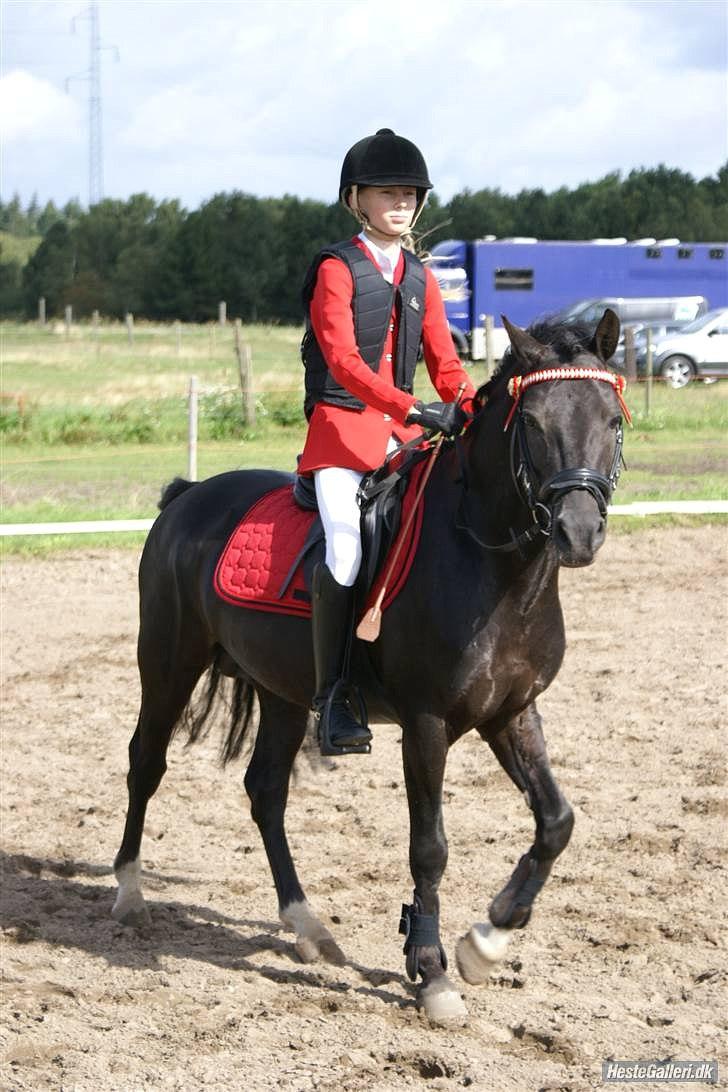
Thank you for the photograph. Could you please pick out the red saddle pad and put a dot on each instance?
(255, 567)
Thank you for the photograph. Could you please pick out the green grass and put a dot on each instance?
(93, 426)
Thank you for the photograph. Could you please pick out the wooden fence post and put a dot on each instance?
(192, 431)
(95, 333)
(68, 318)
(41, 311)
(489, 353)
(630, 361)
(245, 371)
(648, 374)
(129, 322)
(222, 313)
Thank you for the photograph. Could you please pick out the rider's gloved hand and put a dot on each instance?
(445, 417)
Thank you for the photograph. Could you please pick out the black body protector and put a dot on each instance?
(372, 304)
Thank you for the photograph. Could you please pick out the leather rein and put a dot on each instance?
(542, 501)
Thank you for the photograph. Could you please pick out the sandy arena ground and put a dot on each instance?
(624, 957)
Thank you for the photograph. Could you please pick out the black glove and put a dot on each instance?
(445, 417)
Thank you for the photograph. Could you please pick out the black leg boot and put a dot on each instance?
(332, 622)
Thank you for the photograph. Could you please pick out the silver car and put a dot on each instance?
(698, 351)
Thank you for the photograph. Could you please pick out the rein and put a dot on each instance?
(541, 502)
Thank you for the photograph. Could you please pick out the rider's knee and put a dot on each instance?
(344, 559)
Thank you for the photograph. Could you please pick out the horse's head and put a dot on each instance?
(564, 409)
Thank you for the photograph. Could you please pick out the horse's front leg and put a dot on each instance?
(521, 751)
(424, 748)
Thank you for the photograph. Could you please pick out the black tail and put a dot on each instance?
(198, 718)
(173, 490)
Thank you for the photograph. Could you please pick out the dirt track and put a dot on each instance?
(624, 954)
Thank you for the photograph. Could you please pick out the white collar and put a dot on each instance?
(383, 260)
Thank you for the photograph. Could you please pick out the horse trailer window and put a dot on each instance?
(685, 252)
(717, 252)
(519, 280)
(653, 252)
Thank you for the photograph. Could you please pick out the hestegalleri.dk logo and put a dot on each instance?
(701, 1072)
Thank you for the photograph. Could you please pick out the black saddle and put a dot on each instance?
(380, 500)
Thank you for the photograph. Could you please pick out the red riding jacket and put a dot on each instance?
(338, 436)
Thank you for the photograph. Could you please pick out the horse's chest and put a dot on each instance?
(508, 663)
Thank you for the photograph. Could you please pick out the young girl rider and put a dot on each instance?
(370, 303)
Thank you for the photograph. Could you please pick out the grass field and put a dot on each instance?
(94, 423)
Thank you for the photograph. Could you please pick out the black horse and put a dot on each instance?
(470, 642)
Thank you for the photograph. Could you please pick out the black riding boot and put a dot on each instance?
(332, 623)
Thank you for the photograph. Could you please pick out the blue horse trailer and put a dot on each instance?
(526, 279)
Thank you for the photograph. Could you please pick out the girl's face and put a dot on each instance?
(388, 209)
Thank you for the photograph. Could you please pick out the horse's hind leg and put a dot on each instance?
(169, 673)
(280, 735)
(521, 751)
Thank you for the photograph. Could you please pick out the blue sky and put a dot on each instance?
(267, 96)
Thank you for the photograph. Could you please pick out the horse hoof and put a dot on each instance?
(313, 940)
(442, 1003)
(134, 915)
(307, 949)
(331, 952)
(478, 950)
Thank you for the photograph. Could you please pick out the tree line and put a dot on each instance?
(159, 261)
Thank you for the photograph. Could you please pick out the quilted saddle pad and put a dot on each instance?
(262, 567)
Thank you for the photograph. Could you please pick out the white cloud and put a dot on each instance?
(32, 108)
(266, 95)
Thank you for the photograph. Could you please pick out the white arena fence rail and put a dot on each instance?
(636, 508)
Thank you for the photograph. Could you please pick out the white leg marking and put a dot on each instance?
(312, 937)
(442, 1002)
(478, 950)
(130, 908)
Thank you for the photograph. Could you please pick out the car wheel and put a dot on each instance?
(677, 371)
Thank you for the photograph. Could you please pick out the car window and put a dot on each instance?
(704, 320)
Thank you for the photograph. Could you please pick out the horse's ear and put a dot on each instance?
(606, 336)
(523, 345)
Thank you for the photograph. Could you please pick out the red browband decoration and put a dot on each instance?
(517, 384)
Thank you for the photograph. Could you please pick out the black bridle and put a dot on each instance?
(541, 500)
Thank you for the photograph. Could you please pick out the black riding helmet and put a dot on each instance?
(385, 159)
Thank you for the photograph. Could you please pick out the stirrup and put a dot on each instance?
(341, 691)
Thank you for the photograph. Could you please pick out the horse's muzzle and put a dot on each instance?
(578, 529)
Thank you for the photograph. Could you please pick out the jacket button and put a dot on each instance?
(388, 356)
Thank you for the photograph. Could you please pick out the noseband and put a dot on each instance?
(541, 502)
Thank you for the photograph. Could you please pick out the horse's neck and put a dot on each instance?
(482, 581)
(481, 492)
(493, 500)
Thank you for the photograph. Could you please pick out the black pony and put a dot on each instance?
(471, 641)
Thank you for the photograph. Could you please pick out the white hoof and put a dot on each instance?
(442, 1003)
(136, 915)
(478, 950)
(313, 940)
(130, 907)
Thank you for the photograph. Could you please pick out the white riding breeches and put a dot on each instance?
(336, 488)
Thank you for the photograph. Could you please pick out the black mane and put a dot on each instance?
(566, 341)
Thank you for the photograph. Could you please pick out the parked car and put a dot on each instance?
(634, 310)
(697, 351)
(658, 329)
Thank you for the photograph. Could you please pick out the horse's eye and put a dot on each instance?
(530, 422)
(616, 422)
